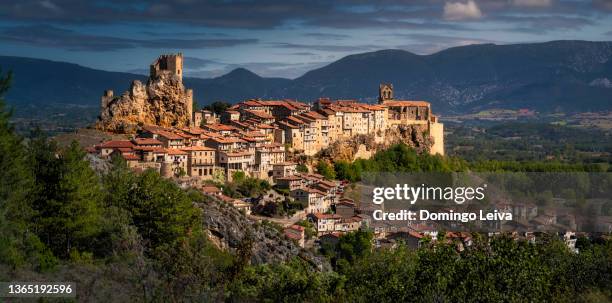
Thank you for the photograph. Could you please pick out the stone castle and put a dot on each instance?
(163, 101)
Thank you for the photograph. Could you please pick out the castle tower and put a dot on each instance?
(106, 98)
(169, 63)
(385, 92)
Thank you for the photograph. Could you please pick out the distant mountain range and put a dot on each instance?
(558, 75)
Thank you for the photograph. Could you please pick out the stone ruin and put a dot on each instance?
(163, 101)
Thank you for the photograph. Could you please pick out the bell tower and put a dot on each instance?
(385, 92)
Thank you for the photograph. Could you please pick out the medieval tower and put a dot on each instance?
(170, 63)
(385, 92)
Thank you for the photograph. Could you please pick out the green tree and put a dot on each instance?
(160, 210)
(326, 170)
(18, 246)
(217, 107)
(301, 168)
(68, 197)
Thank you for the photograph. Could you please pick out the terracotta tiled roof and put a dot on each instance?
(130, 157)
(314, 115)
(174, 151)
(321, 216)
(146, 141)
(260, 114)
(221, 127)
(169, 135)
(117, 144)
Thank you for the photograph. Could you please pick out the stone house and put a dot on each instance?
(201, 161)
(325, 223)
(283, 169)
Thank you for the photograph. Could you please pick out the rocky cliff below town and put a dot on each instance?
(163, 101)
(364, 146)
(231, 230)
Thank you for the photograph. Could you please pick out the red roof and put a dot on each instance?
(130, 157)
(174, 151)
(146, 141)
(260, 114)
(321, 216)
(169, 135)
(116, 144)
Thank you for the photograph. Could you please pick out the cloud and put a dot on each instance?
(532, 3)
(54, 37)
(326, 36)
(197, 63)
(455, 11)
(545, 24)
(326, 48)
(603, 4)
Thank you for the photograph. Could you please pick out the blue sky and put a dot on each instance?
(276, 37)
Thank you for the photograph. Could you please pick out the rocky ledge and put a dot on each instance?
(230, 229)
(163, 101)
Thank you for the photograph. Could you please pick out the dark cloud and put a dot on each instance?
(228, 14)
(326, 48)
(50, 36)
(267, 14)
(183, 34)
(326, 36)
(544, 24)
(603, 4)
(303, 54)
(198, 63)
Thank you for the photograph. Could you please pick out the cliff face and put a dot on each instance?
(229, 229)
(361, 146)
(163, 101)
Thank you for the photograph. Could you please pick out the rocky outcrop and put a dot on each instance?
(229, 229)
(163, 101)
(415, 136)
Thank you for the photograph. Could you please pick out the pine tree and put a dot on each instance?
(15, 184)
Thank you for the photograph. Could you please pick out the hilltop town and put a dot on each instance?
(263, 139)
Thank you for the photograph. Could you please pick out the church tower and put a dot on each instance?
(385, 92)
